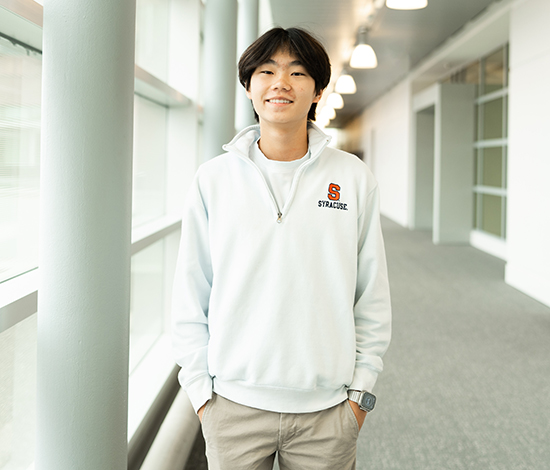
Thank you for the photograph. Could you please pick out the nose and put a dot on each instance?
(281, 83)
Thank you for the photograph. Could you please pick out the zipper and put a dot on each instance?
(294, 185)
(275, 205)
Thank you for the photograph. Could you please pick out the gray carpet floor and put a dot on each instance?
(466, 384)
(467, 377)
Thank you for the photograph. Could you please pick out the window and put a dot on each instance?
(147, 301)
(490, 75)
(20, 76)
(491, 145)
(18, 395)
(152, 34)
(164, 161)
(149, 164)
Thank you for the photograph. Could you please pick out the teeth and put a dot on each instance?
(280, 101)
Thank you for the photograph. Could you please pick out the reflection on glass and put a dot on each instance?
(20, 77)
(149, 164)
(492, 119)
(493, 68)
(147, 300)
(492, 167)
(18, 395)
(491, 219)
(470, 74)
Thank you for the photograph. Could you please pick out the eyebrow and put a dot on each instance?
(293, 63)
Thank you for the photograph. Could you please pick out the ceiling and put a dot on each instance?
(400, 38)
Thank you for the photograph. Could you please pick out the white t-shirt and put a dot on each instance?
(278, 174)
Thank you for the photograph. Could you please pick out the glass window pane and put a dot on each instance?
(478, 154)
(149, 178)
(18, 395)
(477, 130)
(475, 223)
(20, 87)
(147, 300)
(505, 124)
(492, 167)
(493, 68)
(471, 73)
(492, 119)
(152, 36)
(491, 214)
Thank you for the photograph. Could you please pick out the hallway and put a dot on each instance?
(467, 377)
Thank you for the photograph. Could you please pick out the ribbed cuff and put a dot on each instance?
(199, 391)
(363, 379)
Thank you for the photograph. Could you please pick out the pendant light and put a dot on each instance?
(322, 121)
(363, 56)
(345, 84)
(327, 113)
(335, 101)
(406, 4)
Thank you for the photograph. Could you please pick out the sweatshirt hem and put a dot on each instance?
(279, 400)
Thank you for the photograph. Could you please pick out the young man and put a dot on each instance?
(281, 305)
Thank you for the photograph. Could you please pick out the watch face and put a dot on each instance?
(367, 401)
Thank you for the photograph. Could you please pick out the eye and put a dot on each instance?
(267, 72)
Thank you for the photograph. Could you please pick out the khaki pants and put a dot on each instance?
(241, 438)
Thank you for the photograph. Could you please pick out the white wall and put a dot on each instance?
(528, 267)
(386, 129)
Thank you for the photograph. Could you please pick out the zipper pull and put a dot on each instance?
(279, 217)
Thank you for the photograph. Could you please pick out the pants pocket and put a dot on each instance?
(207, 410)
(352, 417)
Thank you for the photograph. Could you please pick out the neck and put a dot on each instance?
(283, 144)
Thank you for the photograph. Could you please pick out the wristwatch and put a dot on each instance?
(364, 399)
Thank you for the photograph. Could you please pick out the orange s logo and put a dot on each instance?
(333, 192)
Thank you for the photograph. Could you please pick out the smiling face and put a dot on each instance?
(282, 91)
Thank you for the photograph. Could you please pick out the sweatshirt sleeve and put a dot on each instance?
(191, 294)
(372, 310)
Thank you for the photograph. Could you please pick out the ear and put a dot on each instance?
(248, 94)
(318, 97)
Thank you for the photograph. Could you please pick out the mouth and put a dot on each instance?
(279, 101)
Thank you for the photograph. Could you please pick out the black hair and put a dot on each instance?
(297, 42)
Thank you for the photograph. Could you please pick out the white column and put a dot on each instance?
(220, 75)
(247, 34)
(86, 177)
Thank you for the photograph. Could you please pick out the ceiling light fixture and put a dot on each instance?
(327, 113)
(345, 84)
(335, 101)
(406, 4)
(322, 122)
(363, 56)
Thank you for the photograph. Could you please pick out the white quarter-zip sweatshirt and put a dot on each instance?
(281, 308)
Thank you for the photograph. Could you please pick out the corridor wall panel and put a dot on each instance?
(386, 126)
(528, 229)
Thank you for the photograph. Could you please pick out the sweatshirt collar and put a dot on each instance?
(240, 144)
